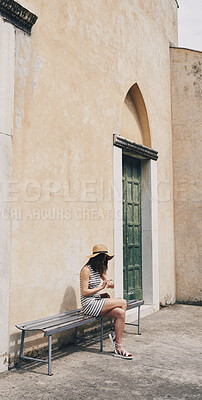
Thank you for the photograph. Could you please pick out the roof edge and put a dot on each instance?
(185, 48)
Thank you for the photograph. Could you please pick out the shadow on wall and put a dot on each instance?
(69, 303)
(69, 300)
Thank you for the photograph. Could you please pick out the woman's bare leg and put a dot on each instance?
(116, 308)
(119, 316)
(110, 304)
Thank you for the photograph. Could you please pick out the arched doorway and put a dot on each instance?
(135, 124)
(135, 177)
(135, 127)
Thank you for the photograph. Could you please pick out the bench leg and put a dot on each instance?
(138, 324)
(101, 339)
(75, 336)
(139, 320)
(49, 354)
(21, 348)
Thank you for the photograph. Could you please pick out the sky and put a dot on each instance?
(190, 24)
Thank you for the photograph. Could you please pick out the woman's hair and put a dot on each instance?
(99, 263)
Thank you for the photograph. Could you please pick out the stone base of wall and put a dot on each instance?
(190, 302)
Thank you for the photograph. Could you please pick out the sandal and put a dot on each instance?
(112, 337)
(122, 353)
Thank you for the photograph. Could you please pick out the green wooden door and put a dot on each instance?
(132, 235)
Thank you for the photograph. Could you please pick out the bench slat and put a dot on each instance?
(26, 324)
(134, 303)
(65, 319)
(55, 319)
(74, 324)
(69, 322)
(50, 324)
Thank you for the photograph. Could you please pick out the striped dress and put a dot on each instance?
(92, 305)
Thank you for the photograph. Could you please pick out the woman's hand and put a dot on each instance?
(85, 274)
(103, 285)
(110, 283)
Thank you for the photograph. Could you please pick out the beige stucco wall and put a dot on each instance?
(72, 75)
(187, 155)
(130, 124)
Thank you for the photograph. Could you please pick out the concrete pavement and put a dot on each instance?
(167, 364)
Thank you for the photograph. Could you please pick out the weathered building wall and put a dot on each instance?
(71, 78)
(186, 78)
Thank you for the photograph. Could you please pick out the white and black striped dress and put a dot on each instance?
(92, 305)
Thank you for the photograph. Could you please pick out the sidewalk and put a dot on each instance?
(167, 364)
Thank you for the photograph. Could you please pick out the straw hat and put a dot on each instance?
(100, 248)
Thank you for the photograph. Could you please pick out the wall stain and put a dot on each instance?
(196, 72)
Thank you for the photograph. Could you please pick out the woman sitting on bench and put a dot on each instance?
(93, 278)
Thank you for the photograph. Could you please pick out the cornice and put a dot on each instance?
(131, 147)
(17, 15)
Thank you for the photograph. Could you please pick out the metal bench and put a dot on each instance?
(62, 322)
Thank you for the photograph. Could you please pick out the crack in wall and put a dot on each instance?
(6, 134)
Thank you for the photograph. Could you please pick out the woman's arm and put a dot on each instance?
(85, 274)
(109, 282)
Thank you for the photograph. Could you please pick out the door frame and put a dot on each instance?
(132, 172)
(149, 215)
(7, 56)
